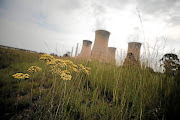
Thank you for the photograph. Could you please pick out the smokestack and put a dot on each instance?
(133, 54)
(111, 54)
(86, 50)
(100, 48)
(72, 52)
(76, 50)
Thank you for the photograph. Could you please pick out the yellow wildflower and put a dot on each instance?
(66, 71)
(68, 62)
(56, 71)
(74, 69)
(84, 69)
(26, 75)
(69, 67)
(21, 76)
(64, 76)
(46, 57)
(75, 66)
(81, 66)
(62, 65)
(34, 69)
(68, 77)
(52, 62)
(58, 62)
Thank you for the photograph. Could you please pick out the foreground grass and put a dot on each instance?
(108, 92)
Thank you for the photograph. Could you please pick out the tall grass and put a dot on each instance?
(108, 92)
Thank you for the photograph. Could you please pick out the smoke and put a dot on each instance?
(99, 14)
(136, 35)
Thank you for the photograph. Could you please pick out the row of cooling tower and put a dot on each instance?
(102, 52)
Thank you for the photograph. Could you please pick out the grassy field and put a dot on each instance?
(107, 92)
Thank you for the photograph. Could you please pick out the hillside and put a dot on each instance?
(103, 92)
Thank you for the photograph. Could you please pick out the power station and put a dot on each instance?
(103, 53)
(86, 50)
(100, 48)
(111, 54)
(133, 54)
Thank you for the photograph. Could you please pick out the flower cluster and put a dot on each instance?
(57, 63)
(65, 76)
(21, 76)
(46, 57)
(59, 67)
(34, 69)
(63, 68)
(84, 69)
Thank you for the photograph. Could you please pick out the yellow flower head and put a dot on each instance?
(21, 76)
(62, 65)
(86, 72)
(75, 66)
(56, 71)
(26, 75)
(81, 66)
(57, 62)
(34, 69)
(74, 69)
(68, 62)
(84, 69)
(64, 76)
(52, 62)
(46, 57)
(66, 71)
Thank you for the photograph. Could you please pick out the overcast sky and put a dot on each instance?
(55, 26)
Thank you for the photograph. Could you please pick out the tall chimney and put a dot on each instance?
(76, 50)
(133, 54)
(72, 52)
(86, 50)
(100, 48)
(111, 54)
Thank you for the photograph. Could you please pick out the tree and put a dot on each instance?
(171, 64)
(67, 54)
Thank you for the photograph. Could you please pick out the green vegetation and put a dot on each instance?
(107, 92)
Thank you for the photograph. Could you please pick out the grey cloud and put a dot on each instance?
(56, 15)
(60, 5)
(167, 10)
(118, 4)
(158, 6)
(71, 4)
(3, 4)
(70, 20)
(174, 19)
(100, 9)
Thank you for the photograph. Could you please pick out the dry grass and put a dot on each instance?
(108, 92)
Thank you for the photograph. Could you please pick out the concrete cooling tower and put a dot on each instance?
(111, 54)
(133, 54)
(86, 50)
(100, 48)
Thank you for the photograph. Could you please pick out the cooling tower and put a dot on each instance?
(86, 50)
(100, 48)
(133, 54)
(111, 54)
